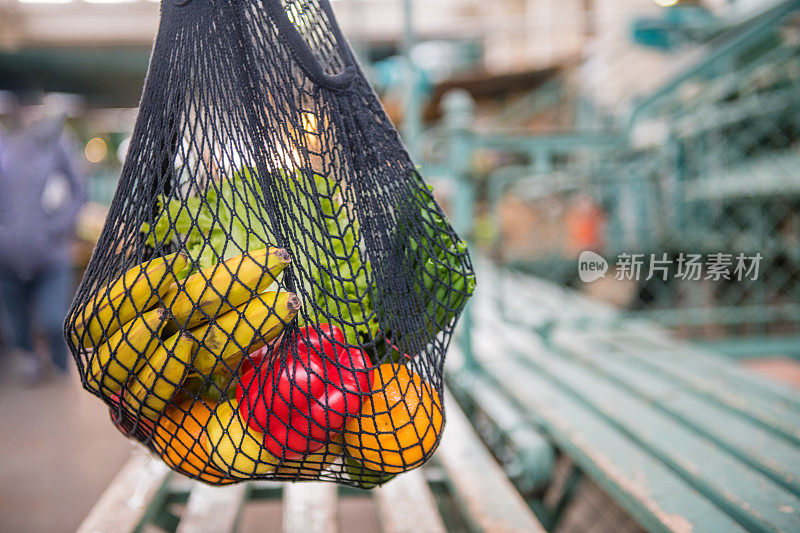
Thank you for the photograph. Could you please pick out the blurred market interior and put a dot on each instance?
(548, 127)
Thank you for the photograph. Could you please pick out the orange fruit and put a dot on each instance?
(179, 436)
(400, 422)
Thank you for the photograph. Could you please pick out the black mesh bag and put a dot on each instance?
(275, 288)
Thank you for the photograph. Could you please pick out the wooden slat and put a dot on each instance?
(212, 509)
(532, 300)
(652, 493)
(480, 485)
(310, 507)
(680, 386)
(770, 453)
(642, 336)
(718, 378)
(406, 505)
(634, 333)
(560, 302)
(780, 416)
(534, 454)
(770, 404)
(752, 498)
(124, 504)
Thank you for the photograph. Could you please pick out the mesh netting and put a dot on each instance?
(275, 287)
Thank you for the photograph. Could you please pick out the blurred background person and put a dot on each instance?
(41, 194)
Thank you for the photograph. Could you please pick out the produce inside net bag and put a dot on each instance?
(275, 287)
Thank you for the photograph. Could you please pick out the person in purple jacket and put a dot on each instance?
(41, 193)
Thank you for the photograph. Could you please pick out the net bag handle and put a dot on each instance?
(302, 52)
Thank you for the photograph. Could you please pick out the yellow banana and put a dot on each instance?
(133, 293)
(221, 287)
(117, 359)
(155, 384)
(243, 330)
(233, 446)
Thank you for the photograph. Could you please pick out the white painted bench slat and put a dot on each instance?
(479, 483)
(127, 499)
(406, 505)
(310, 507)
(212, 509)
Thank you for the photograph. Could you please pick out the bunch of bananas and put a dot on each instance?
(147, 331)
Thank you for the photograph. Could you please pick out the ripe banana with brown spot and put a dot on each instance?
(119, 358)
(243, 330)
(156, 382)
(221, 287)
(117, 303)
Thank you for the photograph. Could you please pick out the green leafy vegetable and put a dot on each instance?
(231, 217)
(436, 259)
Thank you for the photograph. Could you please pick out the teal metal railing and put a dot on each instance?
(707, 163)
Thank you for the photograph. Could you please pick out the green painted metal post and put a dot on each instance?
(543, 161)
(459, 110)
(676, 153)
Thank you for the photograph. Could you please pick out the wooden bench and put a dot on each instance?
(463, 472)
(681, 438)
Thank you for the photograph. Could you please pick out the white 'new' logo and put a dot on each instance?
(591, 266)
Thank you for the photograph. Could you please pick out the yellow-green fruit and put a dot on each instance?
(158, 380)
(117, 303)
(243, 330)
(116, 360)
(366, 478)
(221, 287)
(233, 446)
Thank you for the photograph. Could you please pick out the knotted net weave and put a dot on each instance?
(275, 288)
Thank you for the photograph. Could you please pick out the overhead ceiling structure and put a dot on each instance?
(108, 77)
(95, 49)
(99, 48)
(134, 22)
(44, 23)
